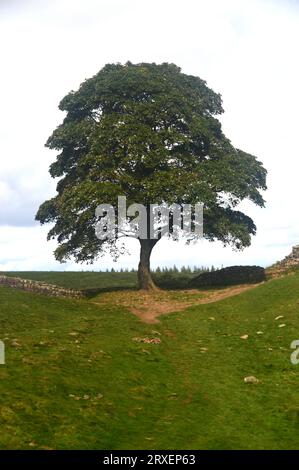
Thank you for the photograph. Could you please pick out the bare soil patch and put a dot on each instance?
(149, 305)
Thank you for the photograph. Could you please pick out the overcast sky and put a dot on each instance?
(246, 50)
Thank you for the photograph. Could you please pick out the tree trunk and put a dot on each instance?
(145, 280)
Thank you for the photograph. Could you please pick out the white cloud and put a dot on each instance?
(245, 50)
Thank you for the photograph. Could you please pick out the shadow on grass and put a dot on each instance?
(90, 293)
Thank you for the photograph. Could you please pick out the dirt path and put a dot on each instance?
(148, 306)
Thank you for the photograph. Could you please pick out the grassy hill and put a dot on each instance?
(76, 377)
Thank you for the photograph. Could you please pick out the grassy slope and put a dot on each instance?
(170, 395)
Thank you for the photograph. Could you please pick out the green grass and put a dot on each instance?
(171, 395)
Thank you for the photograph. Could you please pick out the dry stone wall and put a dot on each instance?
(286, 264)
(292, 259)
(39, 287)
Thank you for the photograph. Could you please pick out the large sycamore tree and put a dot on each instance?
(148, 132)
